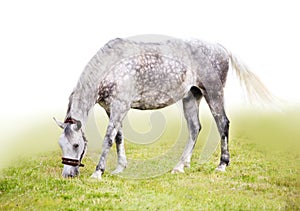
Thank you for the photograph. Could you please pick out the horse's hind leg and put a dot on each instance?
(216, 105)
(191, 113)
(122, 161)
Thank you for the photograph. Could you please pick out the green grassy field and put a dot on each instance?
(264, 174)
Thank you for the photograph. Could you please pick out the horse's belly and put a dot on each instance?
(154, 99)
(159, 94)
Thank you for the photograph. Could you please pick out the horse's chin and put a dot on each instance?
(70, 171)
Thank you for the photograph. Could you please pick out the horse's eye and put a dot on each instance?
(75, 146)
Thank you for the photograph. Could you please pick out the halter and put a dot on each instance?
(70, 120)
(75, 162)
(70, 161)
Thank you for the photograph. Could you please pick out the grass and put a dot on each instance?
(263, 175)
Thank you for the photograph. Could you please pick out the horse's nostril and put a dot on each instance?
(75, 145)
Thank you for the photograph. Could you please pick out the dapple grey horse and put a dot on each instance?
(127, 74)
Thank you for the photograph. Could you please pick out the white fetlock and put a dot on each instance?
(221, 167)
(97, 175)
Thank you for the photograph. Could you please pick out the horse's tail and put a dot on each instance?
(255, 89)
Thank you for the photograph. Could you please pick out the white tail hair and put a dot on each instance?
(255, 89)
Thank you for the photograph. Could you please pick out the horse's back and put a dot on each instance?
(155, 75)
(150, 80)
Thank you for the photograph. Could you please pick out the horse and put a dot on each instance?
(127, 74)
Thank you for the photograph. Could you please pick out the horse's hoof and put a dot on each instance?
(187, 164)
(97, 175)
(221, 168)
(177, 170)
(118, 170)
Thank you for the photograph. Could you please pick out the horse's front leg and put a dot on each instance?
(107, 143)
(118, 111)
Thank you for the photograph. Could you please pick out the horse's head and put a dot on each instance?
(73, 145)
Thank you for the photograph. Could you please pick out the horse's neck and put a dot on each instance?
(85, 94)
(82, 100)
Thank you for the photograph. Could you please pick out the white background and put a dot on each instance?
(44, 45)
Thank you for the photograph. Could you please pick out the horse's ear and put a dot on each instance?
(60, 124)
